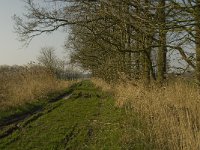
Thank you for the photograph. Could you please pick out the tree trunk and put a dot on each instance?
(162, 45)
(197, 40)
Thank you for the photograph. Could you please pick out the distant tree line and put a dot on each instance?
(66, 73)
(136, 38)
(62, 70)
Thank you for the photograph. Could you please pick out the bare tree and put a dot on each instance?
(48, 59)
(110, 37)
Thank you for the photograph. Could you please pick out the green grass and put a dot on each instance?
(29, 108)
(87, 120)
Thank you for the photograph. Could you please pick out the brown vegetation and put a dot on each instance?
(170, 112)
(19, 85)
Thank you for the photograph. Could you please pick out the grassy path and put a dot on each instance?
(87, 120)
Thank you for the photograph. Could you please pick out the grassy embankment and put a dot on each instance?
(89, 119)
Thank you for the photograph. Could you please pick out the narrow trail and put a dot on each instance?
(85, 119)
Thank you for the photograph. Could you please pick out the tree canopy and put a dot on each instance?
(138, 38)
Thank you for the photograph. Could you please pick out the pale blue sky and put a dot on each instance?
(11, 51)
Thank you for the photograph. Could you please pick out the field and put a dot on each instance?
(23, 84)
(93, 114)
(24, 89)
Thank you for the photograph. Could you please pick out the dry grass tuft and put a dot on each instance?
(25, 84)
(101, 83)
(171, 112)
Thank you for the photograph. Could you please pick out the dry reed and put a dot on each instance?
(172, 113)
(25, 84)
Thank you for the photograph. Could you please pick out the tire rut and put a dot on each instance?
(24, 120)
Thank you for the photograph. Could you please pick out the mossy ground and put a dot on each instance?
(87, 120)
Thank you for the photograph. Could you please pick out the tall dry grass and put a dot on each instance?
(20, 85)
(171, 113)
